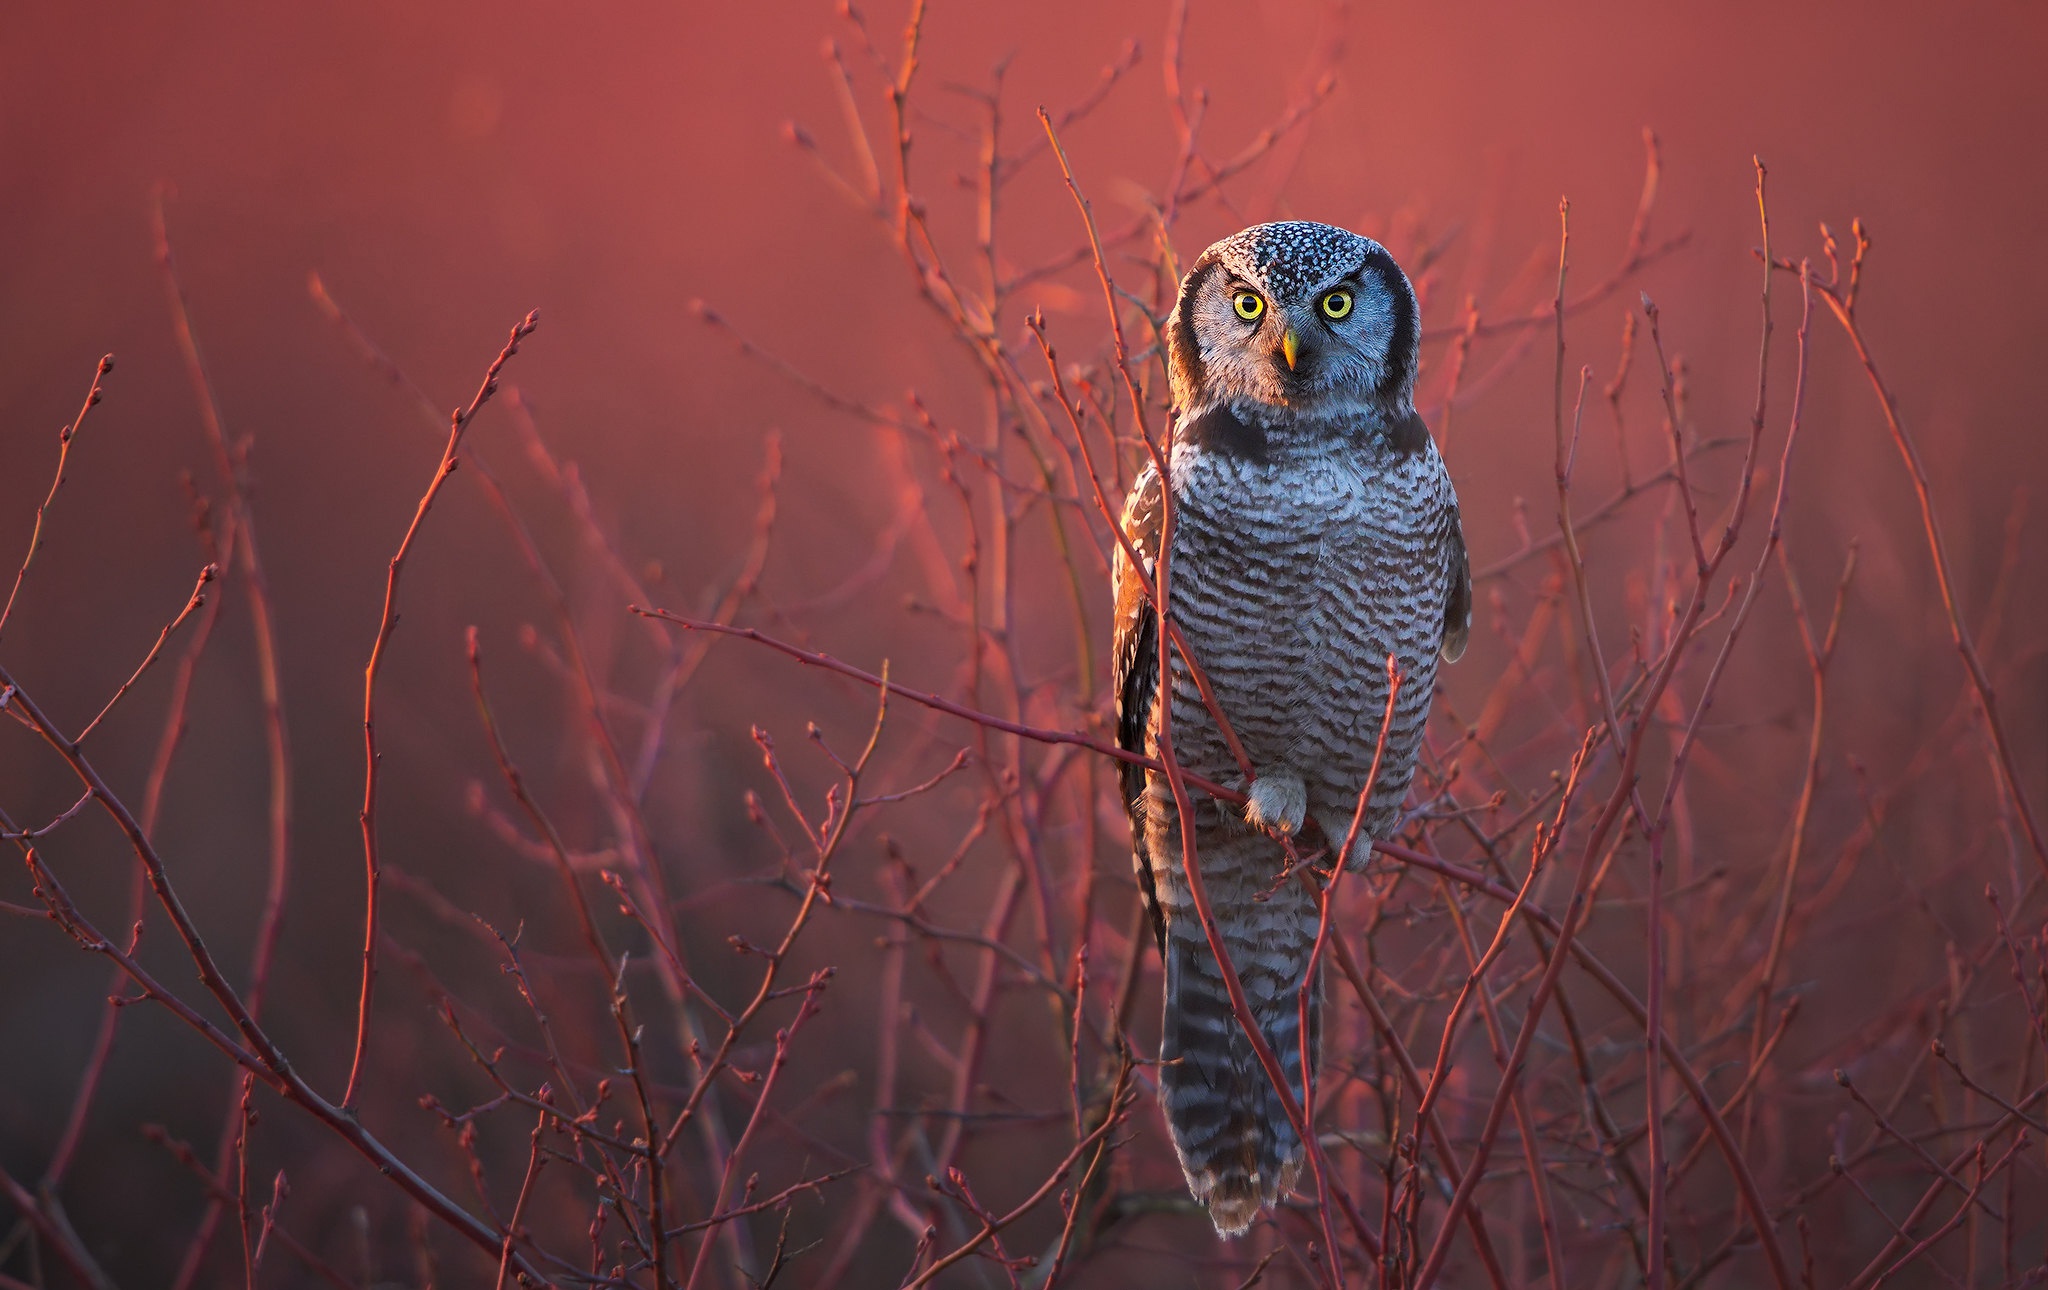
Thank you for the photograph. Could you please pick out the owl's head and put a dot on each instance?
(1298, 319)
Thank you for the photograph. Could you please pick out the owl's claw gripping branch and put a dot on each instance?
(1277, 802)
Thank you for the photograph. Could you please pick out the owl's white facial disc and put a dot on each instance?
(1258, 328)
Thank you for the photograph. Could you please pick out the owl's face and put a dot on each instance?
(1293, 320)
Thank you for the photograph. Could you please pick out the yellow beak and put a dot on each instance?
(1290, 345)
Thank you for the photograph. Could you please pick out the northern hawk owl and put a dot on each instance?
(1315, 533)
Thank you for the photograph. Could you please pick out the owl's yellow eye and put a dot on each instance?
(1337, 304)
(1249, 305)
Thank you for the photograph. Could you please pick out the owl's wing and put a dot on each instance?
(1411, 435)
(1458, 603)
(1135, 671)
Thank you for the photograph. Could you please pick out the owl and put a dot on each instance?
(1315, 534)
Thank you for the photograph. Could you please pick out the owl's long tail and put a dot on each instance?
(1229, 1126)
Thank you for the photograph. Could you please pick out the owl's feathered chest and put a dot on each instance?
(1272, 503)
(1295, 575)
(1310, 519)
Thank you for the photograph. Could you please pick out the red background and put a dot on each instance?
(446, 167)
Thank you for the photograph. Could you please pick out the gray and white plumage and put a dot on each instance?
(1315, 533)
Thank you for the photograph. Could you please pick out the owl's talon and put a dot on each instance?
(1335, 827)
(1277, 802)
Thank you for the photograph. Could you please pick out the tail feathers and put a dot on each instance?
(1229, 1126)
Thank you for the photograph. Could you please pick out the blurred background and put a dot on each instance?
(444, 168)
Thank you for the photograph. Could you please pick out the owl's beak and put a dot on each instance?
(1290, 346)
